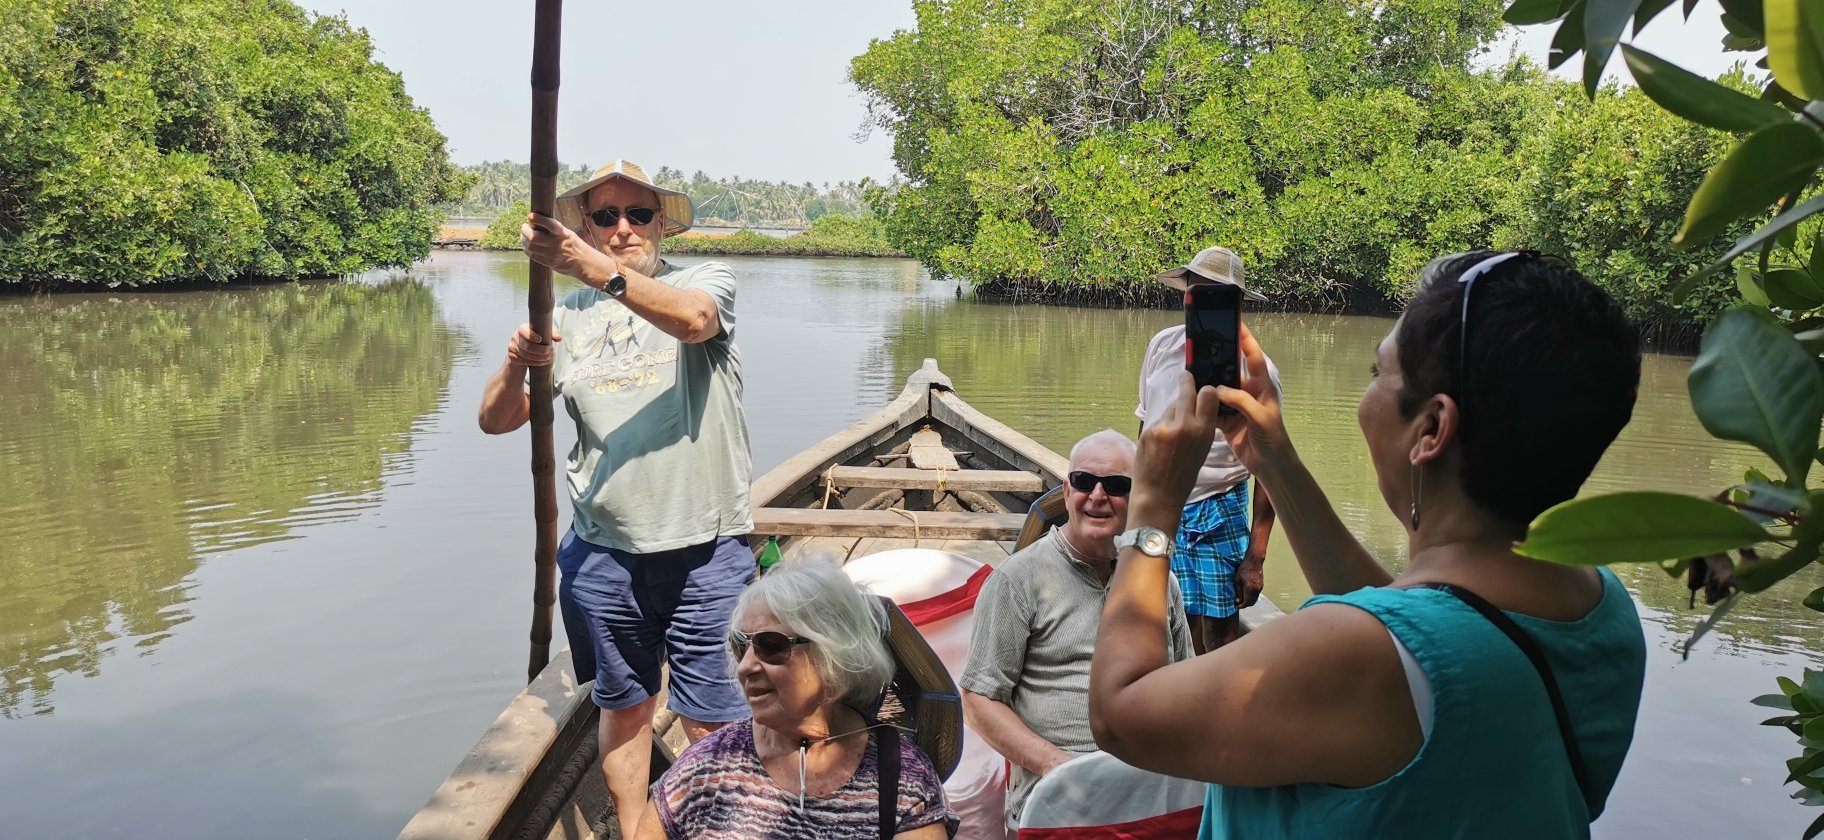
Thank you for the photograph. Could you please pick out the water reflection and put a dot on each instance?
(1061, 373)
(146, 432)
(210, 458)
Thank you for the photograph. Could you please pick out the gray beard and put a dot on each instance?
(647, 264)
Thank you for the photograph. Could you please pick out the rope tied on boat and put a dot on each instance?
(912, 516)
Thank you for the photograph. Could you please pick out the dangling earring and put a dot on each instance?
(1418, 488)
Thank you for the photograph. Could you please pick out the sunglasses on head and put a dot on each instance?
(1113, 485)
(608, 217)
(771, 647)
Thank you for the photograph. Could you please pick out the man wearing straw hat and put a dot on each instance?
(657, 553)
(1219, 555)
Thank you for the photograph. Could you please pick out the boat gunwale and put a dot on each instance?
(539, 742)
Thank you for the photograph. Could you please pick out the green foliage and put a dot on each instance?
(1757, 379)
(503, 233)
(720, 202)
(1803, 703)
(1639, 527)
(829, 236)
(1753, 383)
(145, 141)
(1057, 148)
(1606, 183)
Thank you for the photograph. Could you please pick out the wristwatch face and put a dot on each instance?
(1148, 540)
(1152, 541)
(617, 284)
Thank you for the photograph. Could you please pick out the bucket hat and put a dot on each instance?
(1215, 263)
(675, 205)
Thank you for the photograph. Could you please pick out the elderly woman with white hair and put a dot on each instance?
(807, 649)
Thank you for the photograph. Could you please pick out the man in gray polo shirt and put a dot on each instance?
(1026, 690)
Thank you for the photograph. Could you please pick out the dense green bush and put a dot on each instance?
(503, 232)
(1057, 147)
(1606, 183)
(1070, 152)
(146, 141)
(721, 202)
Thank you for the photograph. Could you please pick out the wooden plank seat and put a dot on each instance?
(927, 451)
(922, 525)
(902, 478)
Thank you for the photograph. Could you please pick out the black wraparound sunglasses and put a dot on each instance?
(608, 217)
(771, 647)
(1113, 485)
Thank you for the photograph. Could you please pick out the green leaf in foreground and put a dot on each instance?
(1773, 228)
(1748, 282)
(1708, 624)
(1753, 383)
(1773, 701)
(1603, 23)
(1637, 527)
(1568, 41)
(1529, 12)
(1795, 45)
(1793, 288)
(1698, 99)
(1770, 163)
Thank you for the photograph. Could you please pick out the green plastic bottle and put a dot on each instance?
(770, 555)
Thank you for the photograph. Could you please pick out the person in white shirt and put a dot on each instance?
(1219, 555)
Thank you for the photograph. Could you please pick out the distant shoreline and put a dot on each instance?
(700, 243)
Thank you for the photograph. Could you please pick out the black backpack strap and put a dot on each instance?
(1528, 646)
(888, 756)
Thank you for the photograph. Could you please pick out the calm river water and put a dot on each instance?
(260, 575)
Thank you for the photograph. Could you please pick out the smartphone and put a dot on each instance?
(1212, 335)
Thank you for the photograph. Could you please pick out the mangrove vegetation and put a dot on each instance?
(1068, 152)
(152, 141)
(720, 202)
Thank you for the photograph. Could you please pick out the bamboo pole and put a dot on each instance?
(546, 28)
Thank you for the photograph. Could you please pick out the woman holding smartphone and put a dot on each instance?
(1478, 693)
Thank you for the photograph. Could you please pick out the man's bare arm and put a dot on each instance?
(1011, 737)
(505, 406)
(689, 315)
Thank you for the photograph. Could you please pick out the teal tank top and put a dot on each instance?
(1494, 764)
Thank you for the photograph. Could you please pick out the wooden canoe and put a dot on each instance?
(927, 470)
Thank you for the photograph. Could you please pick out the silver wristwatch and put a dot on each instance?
(1148, 540)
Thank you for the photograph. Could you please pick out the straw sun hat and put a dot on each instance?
(1217, 264)
(675, 205)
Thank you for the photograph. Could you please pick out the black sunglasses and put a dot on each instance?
(1113, 485)
(608, 217)
(771, 647)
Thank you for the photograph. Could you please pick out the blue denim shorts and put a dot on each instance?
(627, 615)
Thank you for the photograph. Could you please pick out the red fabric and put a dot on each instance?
(1176, 824)
(960, 599)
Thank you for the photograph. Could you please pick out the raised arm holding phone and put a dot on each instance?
(1392, 706)
(1221, 540)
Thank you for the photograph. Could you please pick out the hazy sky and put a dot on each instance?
(739, 87)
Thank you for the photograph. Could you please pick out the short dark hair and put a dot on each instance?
(1552, 369)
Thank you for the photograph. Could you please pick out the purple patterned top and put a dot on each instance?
(719, 789)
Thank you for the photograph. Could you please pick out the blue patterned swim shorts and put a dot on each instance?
(1212, 539)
